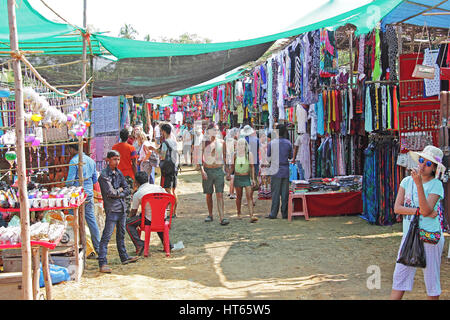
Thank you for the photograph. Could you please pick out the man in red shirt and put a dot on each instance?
(127, 164)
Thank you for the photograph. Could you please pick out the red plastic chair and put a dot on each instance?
(158, 204)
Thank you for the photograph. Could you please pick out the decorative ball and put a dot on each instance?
(36, 117)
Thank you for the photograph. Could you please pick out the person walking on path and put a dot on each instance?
(212, 170)
(231, 142)
(133, 222)
(418, 196)
(244, 177)
(90, 178)
(114, 190)
(253, 143)
(168, 151)
(279, 151)
(144, 153)
(128, 161)
(187, 144)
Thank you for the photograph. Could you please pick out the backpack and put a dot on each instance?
(167, 165)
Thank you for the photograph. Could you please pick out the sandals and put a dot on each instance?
(209, 219)
(224, 222)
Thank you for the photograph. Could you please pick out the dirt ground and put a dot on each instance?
(325, 258)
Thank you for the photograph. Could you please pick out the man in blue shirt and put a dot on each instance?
(279, 151)
(90, 178)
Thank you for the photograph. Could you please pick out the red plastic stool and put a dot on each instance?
(303, 212)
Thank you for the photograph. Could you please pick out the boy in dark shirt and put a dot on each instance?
(114, 190)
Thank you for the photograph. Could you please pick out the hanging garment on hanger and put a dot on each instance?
(383, 108)
(368, 112)
(395, 103)
(376, 74)
(432, 86)
(361, 55)
(350, 109)
(312, 116)
(392, 41)
(389, 108)
(320, 115)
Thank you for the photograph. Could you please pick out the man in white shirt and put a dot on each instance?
(157, 134)
(187, 144)
(134, 221)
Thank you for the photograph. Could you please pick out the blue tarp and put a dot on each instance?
(410, 8)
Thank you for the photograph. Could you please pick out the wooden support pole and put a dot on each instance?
(20, 151)
(84, 72)
(46, 272)
(76, 241)
(36, 271)
(82, 228)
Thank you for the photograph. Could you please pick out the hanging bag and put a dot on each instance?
(412, 253)
(421, 70)
(444, 72)
(167, 165)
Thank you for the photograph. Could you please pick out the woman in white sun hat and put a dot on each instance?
(420, 193)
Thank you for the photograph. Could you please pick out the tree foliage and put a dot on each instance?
(128, 32)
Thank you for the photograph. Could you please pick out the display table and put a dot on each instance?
(320, 204)
(46, 246)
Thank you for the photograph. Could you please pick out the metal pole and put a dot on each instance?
(27, 285)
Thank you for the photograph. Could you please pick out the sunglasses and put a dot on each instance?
(428, 163)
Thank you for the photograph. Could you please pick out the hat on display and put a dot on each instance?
(247, 130)
(433, 154)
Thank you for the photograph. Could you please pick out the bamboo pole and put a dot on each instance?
(83, 74)
(82, 228)
(20, 151)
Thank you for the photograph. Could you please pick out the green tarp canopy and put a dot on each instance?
(36, 33)
(155, 69)
(225, 78)
(363, 17)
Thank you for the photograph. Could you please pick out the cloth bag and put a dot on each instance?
(412, 252)
(421, 70)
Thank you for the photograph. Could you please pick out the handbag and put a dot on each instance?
(412, 253)
(421, 70)
(429, 237)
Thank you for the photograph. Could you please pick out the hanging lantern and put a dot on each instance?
(36, 117)
(36, 143)
(30, 138)
(10, 156)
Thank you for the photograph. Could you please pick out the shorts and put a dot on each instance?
(403, 278)
(215, 181)
(169, 181)
(241, 181)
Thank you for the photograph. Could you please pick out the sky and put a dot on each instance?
(220, 21)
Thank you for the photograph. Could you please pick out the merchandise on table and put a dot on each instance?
(50, 229)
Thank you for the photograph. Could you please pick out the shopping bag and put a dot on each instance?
(293, 172)
(412, 252)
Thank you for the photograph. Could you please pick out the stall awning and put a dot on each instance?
(410, 12)
(156, 69)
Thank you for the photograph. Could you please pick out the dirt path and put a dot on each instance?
(323, 258)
